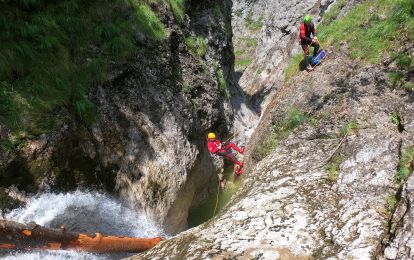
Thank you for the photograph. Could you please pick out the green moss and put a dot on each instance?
(197, 45)
(395, 118)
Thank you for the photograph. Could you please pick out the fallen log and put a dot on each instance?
(14, 235)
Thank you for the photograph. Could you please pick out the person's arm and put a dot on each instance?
(303, 33)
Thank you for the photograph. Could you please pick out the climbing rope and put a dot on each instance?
(218, 191)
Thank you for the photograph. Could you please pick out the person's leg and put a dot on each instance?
(316, 48)
(231, 157)
(305, 48)
(234, 147)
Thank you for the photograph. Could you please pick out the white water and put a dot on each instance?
(81, 212)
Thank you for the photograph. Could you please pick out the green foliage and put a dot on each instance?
(282, 130)
(395, 118)
(408, 85)
(221, 81)
(368, 33)
(333, 12)
(405, 166)
(254, 25)
(239, 12)
(333, 167)
(391, 203)
(178, 9)
(197, 45)
(349, 127)
(186, 87)
(52, 52)
(251, 42)
(242, 64)
(217, 12)
(148, 22)
(295, 65)
(396, 78)
(403, 61)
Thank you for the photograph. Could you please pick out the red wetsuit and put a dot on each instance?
(215, 147)
(305, 38)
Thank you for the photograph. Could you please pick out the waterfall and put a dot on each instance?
(85, 212)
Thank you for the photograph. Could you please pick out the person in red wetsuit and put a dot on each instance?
(308, 37)
(216, 147)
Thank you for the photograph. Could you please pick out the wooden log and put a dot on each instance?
(14, 235)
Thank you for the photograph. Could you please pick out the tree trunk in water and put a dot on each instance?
(14, 235)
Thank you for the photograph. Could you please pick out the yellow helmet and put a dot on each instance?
(211, 136)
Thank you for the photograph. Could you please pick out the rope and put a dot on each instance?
(218, 191)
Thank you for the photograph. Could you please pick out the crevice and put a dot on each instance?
(394, 222)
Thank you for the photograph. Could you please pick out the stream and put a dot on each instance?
(85, 212)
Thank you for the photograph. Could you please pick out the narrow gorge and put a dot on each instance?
(105, 108)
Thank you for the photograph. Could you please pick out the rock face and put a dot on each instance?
(265, 35)
(148, 145)
(326, 191)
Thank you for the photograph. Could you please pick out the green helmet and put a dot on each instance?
(307, 19)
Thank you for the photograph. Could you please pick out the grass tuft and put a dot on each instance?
(405, 166)
(197, 46)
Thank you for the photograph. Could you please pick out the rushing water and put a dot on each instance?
(86, 212)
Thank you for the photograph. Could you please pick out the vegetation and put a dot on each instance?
(391, 204)
(370, 33)
(197, 45)
(282, 130)
(405, 166)
(395, 118)
(178, 8)
(186, 87)
(221, 81)
(254, 25)
(295, 65)
(243, 63)
(348, 128)
(370, 28)
(51, 53)
(333, 167)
